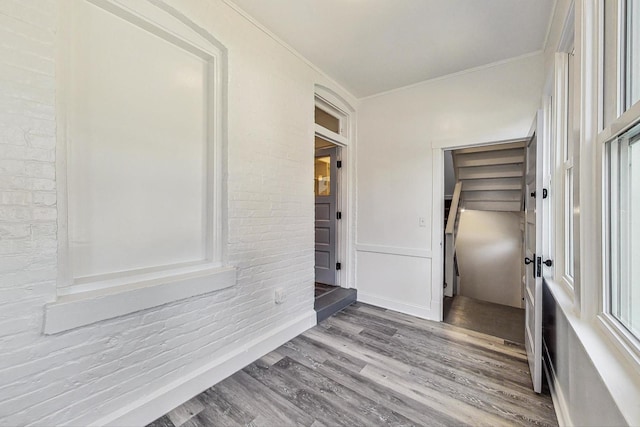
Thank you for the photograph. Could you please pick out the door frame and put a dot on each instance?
(334, 104)
(437, 219)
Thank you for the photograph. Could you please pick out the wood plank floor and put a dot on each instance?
(486, 317)
(368, 366)
(322, 289)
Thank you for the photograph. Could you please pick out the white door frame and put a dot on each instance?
(437, 220)
(533, 286)
(328, 100)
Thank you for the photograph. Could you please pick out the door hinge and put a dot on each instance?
(339, 164)
(338, 215)
(338, 266)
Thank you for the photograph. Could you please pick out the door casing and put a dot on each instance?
(333, 102)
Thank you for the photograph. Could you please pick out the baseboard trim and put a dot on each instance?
(401, 307)
(559, 402)
(145, 410)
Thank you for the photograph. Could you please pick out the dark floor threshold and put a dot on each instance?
(332, 302)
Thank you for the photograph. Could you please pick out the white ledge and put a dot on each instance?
(83, 308)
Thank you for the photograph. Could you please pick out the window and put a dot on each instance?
(327, 120)
(569, 170)
(621, 200)
(621, 59)
(623, 155)
(565, 173)
(632, 53)
(331, 123)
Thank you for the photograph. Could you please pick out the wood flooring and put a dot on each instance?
(367, 366)
(481, 316)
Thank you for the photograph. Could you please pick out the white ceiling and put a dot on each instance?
(371, 46)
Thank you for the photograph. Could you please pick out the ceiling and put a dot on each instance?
(372, 46)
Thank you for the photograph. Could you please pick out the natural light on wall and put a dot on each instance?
(624, 172)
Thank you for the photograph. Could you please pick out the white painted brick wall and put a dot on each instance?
(95, 370)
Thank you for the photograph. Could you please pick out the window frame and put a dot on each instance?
(340, 138)
(626, 69)
(613, 26)
(565, 118)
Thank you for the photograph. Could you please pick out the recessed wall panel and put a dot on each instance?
(136, 148)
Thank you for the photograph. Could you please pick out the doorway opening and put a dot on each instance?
(331, 293)
(484, 239)
(327, 214)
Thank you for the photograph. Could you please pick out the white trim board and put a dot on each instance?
(164, 399)
(75, 310)
(423, 312)
(393, 250)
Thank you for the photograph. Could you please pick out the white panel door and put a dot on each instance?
(533, 257)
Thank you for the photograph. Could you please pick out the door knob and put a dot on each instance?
(548, 263)
(528, 261)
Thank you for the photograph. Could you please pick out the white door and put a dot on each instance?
(533, 258)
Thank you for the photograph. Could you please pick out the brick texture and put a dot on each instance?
(89, 372)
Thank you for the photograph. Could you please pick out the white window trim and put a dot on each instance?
(562, 127)
(582, 308)
(336, 112)
(626, 343)
(102, 298)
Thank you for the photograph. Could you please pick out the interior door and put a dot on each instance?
(325, 187)
(533, 258)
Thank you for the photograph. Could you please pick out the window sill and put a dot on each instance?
(87, 307)
(619, 376)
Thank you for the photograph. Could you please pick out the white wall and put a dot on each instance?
(113, 368)
(489, 251)
(397, 134)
